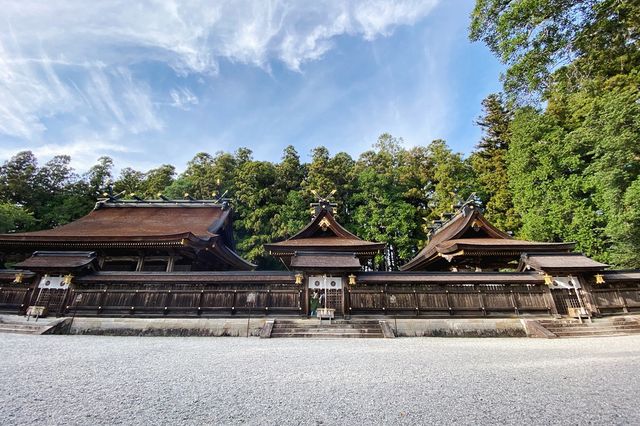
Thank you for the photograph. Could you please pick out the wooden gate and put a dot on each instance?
(52, 299)
(335, 300)
(565, 299)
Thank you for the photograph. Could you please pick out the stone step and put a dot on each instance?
(326, 322)
(21, 329)
(334, 330)
(591, 334)
(328, 335)
(595, 330)
(325, 326)
(326, 331)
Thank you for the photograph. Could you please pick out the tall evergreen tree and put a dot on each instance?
(489, 164)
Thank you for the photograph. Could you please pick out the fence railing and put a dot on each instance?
(618, 298)
(452, 299)
(188, 302)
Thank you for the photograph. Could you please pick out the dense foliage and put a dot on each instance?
(385, 195)
(559, 159)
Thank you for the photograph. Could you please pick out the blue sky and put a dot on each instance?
(157, 82)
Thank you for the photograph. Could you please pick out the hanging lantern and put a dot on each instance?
(600, 279)
(19, 277)
(352, 279)
(66, 280)
(299, 278)
(548, 279)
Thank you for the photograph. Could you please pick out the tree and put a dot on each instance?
(558, 42)
(18, 179)
(157, 180)
(130, 181)
(490, 166)
(100, 177)
(14, 218)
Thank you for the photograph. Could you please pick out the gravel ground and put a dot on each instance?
(156, 380)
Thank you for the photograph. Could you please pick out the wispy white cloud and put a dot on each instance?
(69, 57)
(183, 98)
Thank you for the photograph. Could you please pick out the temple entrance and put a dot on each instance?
(329, 292)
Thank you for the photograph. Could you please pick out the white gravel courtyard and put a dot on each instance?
(156, 380)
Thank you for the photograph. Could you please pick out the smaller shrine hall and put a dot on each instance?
(326, 254)
(468, 242)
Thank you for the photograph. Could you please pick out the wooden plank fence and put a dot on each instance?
(408, 299)
(452, 299)
(617, 298)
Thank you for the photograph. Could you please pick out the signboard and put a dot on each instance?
(322, 282)
(54, 283)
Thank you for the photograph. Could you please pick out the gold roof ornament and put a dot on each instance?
(324, 223)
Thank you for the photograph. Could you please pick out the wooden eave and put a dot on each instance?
(200, 277)
(312, 237)
(449, 278)
(185, 239)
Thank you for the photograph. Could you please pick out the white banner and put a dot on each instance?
(56, 283)
(322, 282)
(565, 282)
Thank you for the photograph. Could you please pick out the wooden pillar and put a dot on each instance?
(587, 296)
(305, 303)
(551, 303)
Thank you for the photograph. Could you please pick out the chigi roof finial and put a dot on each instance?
(323, 203)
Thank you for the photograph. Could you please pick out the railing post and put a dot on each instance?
(623, 302)
(514, 301)
(476, 287)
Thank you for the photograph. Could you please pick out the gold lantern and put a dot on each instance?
(548, 279)
(352, 279)
(19, 277)
(600, 279)
(66, 280)
(299, 278)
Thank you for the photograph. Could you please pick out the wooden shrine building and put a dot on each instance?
(159, 236)
(468, 242)
(157, 258)
(325, 256)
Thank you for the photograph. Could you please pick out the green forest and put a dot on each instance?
(559, 159)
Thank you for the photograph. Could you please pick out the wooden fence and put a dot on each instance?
(451, 299)
(184, 302)
(14, 299)
(412, 298)
(617, 298)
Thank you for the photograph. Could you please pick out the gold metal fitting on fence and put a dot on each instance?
(352, 279)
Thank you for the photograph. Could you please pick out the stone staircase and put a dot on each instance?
(337, 329)
(19, 325)
(615, 326)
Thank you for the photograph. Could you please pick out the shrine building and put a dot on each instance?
(176, 258)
